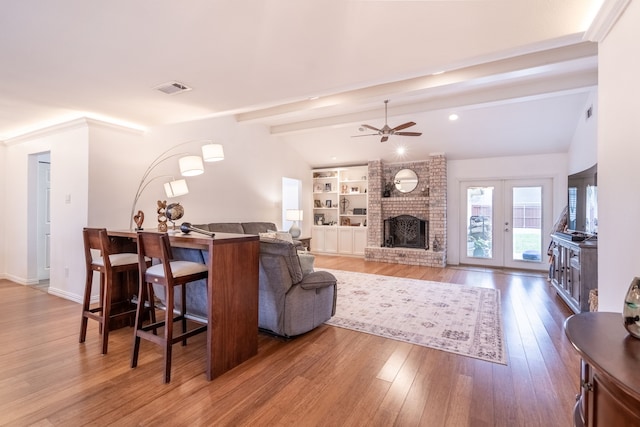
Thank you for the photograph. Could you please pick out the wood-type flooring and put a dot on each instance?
(328, 377)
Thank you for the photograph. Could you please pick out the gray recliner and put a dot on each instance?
(292, 302)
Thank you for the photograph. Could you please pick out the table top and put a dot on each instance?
(179, 236)
(603, 342)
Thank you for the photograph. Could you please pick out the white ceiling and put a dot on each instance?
(516, 71)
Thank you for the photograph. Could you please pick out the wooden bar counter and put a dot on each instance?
(232, 292)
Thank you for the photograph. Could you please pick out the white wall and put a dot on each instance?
(552, 166)
(618, 157)
(3, 212)
(245, 186)
(116, 156)
(97, 167)
(583, 152)
(68, 148)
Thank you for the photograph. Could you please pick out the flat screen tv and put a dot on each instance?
(583, 201)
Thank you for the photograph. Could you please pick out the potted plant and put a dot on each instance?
(480, 246)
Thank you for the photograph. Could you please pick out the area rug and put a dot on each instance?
(460, 319)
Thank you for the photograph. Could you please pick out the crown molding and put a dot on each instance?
(82, 122)
(605, 19)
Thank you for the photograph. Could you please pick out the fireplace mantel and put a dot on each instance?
(404, 199)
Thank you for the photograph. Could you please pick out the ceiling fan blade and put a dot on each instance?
(371, 127)
(384, 138)
(366, 134)
(408, 133)
(404, 126)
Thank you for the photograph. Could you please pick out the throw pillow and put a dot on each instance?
(268, 235)
(283, 235)
(306, 262)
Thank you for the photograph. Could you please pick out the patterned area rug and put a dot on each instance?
(460, 319)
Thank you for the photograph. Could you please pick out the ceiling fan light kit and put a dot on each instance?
(386, 131)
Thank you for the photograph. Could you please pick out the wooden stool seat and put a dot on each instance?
(168, 274)
(108, 264)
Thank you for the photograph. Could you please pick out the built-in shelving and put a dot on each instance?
(340, 210)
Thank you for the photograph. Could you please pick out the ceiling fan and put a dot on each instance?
(387, 131)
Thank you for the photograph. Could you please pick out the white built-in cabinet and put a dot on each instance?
(324, 239)
(352, 240)
(340, 210)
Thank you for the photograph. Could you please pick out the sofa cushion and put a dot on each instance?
(257, 227)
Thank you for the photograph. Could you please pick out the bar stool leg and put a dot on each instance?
(85, 306)
(139, 321)
(151, 297)
(106, 309)
(183, 311)
(101, 300)
(168, 333)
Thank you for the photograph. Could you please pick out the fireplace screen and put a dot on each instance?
(406, 231)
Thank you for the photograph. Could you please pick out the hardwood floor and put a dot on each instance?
(328, 377)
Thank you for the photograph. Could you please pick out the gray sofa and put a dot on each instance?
(238, 227)
(292, 300)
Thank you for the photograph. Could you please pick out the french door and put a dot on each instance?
(505, 223)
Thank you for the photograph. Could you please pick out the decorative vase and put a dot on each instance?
(631, 310)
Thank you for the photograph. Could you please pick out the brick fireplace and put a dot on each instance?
(427, 202)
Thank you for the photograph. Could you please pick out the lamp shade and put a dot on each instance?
(293, 215)
(176, 188)
(212, 152)
(191, 165)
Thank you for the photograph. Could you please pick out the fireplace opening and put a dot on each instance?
(406, 231)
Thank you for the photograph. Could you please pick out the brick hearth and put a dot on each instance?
(428, 201)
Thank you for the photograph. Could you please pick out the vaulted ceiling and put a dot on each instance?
(517, 72)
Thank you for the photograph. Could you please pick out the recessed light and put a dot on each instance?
(453, 117)
(401, 150)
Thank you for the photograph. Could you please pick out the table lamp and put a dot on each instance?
(294, 215)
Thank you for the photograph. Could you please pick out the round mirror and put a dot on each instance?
(405, 180)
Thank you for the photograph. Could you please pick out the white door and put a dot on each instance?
(44, 220)
(506, 223)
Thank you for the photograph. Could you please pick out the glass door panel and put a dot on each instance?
(480, 222)
(526, 233)
(526, 223)
(480, 234)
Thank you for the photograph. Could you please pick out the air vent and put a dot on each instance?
(171, 88)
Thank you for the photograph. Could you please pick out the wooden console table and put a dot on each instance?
(610, 372)
(232, 293)
(306, 242)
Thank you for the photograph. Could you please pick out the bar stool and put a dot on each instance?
(168, 274)
(108, 264)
